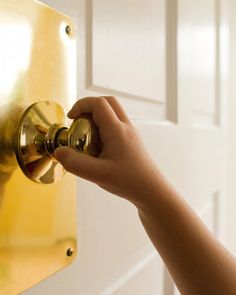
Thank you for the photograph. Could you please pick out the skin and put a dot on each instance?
(198, 263)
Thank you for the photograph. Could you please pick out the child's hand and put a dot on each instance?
(124, 166)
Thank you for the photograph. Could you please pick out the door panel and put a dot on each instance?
(199, 48)
(164, 62)
(129, 45)
(151, 273)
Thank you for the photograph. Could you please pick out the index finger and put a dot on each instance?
(102, 112)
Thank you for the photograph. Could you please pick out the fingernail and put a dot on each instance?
(70, 113)
(59, 153)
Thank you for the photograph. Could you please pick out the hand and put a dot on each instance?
(124, 167)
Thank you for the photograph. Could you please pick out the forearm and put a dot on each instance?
(199, 264)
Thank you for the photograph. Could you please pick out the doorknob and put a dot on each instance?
(42, 128)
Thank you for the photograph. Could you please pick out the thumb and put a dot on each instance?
(83, 165)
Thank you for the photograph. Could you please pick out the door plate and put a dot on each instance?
(37, 221)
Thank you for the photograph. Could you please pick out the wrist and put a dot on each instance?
(153, 187)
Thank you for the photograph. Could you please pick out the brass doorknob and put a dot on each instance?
(42, 128)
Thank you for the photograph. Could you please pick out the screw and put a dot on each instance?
(69, 252)
(68, 30)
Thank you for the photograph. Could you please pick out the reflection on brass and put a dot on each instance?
(42, 128)
(37, 221)
(9, 117)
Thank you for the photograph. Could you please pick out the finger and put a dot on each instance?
(82, 165)
(118, 109)
(100, 109)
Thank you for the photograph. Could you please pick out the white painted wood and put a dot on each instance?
(152, 29)
(151, 273)
(200, 52)
(231, 155)
(165, 75)
(136, 32)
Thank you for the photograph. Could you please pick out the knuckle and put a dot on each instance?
(112, 98)
(102, 104)
(101, 100)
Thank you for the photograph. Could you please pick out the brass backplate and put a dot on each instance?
(37, 221)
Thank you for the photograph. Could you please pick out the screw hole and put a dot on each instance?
(69, 252)
(68, 30)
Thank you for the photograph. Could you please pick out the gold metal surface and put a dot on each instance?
(34, 134)
(41, 129)
(37, 221)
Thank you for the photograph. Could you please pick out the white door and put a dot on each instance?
(166, 62)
